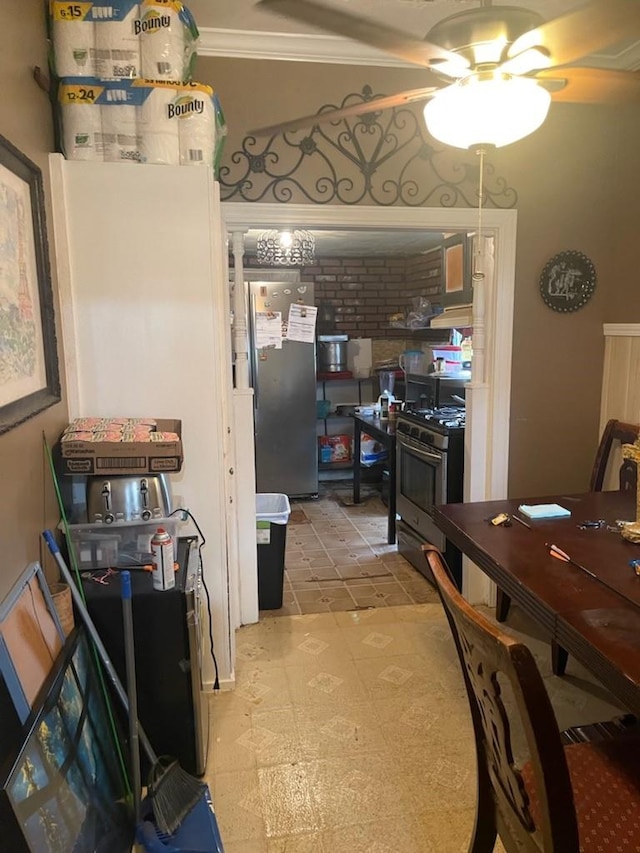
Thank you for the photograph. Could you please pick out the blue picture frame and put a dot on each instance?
(64, 790)
(28, 607)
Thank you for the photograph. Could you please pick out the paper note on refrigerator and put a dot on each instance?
(302, 323)
(268, 329)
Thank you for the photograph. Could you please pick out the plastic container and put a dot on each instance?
(412, 361)
(449, 352)
(124, 544)
(452, 356)
(323, 407)
(272, 515)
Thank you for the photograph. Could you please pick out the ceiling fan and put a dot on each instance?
(491, 72)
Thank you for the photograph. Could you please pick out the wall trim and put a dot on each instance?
(621, 330)
(292, 47)
(335, 50)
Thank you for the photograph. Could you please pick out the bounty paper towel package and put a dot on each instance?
(180, 123)
(168, 36)
(117, 53)
(99, 120)
(95, 39)
(108, 39)
(159, 130)
(140, 121)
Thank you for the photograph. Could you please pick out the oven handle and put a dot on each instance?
(423, 454)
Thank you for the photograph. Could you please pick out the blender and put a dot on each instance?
(387, 379)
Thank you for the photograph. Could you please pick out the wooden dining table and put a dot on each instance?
(591, 610)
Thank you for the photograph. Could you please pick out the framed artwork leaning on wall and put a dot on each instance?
(29, 376)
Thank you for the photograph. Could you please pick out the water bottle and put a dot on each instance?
(162, 559)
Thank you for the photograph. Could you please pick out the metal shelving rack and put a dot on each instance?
(342, 385)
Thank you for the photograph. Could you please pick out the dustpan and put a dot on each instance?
(198, 832)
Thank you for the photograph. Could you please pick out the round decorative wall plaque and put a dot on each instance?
(567, 281)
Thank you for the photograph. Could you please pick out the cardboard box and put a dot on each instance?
(335, 448)
(125, 457)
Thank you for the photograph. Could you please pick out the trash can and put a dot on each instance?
(272, 515)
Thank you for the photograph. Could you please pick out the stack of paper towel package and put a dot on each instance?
(125, 89)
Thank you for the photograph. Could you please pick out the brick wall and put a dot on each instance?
(357, 296)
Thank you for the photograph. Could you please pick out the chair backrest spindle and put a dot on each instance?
(486, 653)
(615, 433)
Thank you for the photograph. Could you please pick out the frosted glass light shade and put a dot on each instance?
(490, 111)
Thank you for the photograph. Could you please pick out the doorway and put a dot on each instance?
(487, 439)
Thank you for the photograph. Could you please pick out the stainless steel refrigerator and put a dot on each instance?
(284, 384)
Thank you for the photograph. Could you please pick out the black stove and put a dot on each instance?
(429, 472)
(444, 419)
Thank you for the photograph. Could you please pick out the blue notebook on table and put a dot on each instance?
(544, 511)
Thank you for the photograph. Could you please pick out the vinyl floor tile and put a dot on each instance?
(348, 730)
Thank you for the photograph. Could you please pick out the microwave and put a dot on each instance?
(434, 389)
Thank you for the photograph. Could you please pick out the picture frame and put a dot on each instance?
(456, 270)
(31, 638)
(29, 374)
(63, 788)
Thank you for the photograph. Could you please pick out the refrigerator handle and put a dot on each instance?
(254, 352)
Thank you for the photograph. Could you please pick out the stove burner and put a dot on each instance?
(445, 416)
(442, 419)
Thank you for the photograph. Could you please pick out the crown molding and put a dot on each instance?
(292, 47)
(335, 50)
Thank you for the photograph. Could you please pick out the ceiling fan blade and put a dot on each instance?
(591, 85)
(588, 29)
(373, 106)
(368, 32)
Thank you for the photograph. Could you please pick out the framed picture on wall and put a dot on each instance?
(29, 377)
(456, 270)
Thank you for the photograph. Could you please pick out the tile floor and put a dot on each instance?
(338, 559)
(349, 732)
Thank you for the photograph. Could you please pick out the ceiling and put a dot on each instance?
(226, 25)
(240, 28)
(358, 244)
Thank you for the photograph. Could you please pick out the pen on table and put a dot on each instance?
(559, 554)
(524, 523)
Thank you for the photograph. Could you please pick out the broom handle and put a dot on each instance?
(132, 692)
(91, 628)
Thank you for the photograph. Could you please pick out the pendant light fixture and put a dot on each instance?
(486, 109)
(286, 248)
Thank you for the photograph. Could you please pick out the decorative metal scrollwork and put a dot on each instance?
(385, 158)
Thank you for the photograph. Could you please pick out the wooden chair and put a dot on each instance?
(580, 797)
(614, 434)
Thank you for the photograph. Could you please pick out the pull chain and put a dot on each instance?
(477, 274)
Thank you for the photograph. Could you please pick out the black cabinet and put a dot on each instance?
(172, 708)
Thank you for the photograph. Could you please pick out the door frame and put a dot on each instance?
(487, 467)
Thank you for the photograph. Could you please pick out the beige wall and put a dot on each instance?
(623, 298)
(577, 186)
(27, 502)
(578, 189)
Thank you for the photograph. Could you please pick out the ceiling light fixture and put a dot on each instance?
(287, 248)
(486, 109)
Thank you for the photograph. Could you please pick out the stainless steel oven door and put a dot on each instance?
(421, 475)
